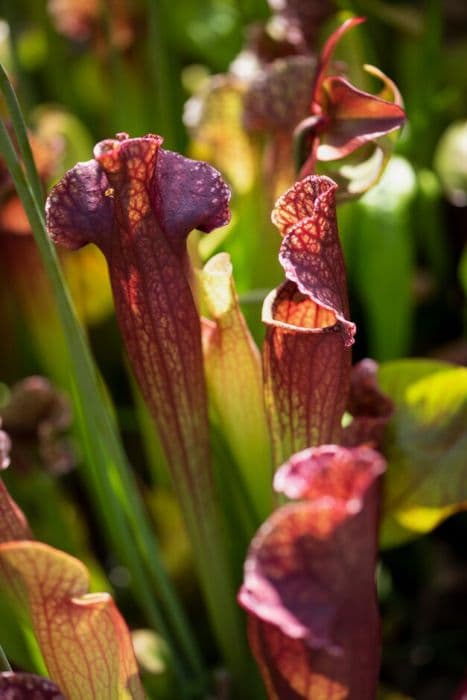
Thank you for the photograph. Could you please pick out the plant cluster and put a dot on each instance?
(292, 468)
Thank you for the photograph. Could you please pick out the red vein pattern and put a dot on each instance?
(138, 203)
(309, 585)
(306, 356)
(83, 638)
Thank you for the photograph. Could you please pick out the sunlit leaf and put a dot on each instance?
(84, 640)
(52, 587)
(234, 377)
(426, 444)
(87, 277)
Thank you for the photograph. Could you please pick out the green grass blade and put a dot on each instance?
(17, 121)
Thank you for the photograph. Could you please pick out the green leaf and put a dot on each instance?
(426, 447)
(235, 384)
(384, 252)
(17, 639)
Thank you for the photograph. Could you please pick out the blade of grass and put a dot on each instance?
(116, 485)
(24, 146)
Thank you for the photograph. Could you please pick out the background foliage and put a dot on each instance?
(85, 71)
